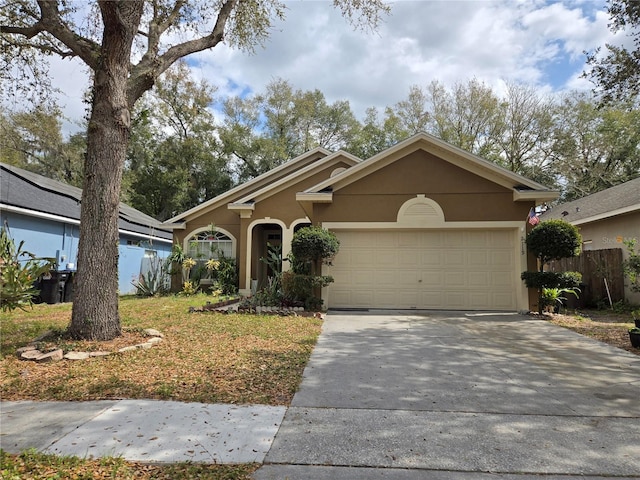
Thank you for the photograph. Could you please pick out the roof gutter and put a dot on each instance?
(537, 196)
(602, 216)
(73, 221)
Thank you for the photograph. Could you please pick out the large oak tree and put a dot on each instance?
(127, 46)
(616, 75)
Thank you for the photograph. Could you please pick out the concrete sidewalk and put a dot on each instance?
(437, 395)
(459, 396)
(141, 430)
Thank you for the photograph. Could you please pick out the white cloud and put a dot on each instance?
(535, 42)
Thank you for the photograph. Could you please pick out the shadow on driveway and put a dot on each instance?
(461, 392)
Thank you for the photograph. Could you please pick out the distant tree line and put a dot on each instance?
(181, 153)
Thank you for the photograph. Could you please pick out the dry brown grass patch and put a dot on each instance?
(206, 357)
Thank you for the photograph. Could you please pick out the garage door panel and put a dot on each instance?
(478, 279)
(501, 279)
(432, 278)
(501, 258)
(437, 269)
(478, 258)
(455, 279)
(428, 258)
(451, 239)
(455, 299)
(453, 258)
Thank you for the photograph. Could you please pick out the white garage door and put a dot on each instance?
(442, 269)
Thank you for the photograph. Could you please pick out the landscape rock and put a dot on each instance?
(53, 356)
(77, 355)
(21, 350)
(99, 354)
(152, 332)
(154, 340)
(127, 349)
(30, 354)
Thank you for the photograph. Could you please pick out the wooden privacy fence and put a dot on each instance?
(596, 266)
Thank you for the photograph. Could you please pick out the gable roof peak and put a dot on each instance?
(447, 152)
(249, 186)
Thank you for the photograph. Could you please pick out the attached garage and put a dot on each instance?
(467, 269)
(425, 225)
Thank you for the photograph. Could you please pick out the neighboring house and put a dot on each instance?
(45, 214)
(422, 225)
(605, 219)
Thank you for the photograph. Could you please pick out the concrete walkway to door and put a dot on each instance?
(455, 395)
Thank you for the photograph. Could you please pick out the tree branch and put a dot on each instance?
(144, 74)
(51, 23)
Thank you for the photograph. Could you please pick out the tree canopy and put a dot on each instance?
(617, 74)
(126, 45)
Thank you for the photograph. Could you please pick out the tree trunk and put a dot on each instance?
(95, 307)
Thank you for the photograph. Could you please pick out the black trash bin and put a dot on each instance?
(52, 288)
(68, 288)
(49, 289)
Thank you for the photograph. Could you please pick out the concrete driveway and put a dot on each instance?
(455, 395)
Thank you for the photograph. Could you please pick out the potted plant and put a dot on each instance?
(634, 336)
(636, 317)
(552, 298)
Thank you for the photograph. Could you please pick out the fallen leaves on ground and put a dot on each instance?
(205, 357)
(30, 465)
(603, 325)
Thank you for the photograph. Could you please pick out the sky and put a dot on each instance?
(533, 42)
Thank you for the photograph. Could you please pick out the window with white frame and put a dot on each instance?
(206, 245)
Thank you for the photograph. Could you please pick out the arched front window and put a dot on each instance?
(206, 245)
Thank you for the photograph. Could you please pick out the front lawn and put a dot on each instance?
(204, 357)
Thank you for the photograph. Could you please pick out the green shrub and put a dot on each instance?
(299, 288)
(553, 240)
(19, 270)
(313, 244)
(552, 279)
(631, 266)
(227, 276)
(156, 281)
(553, 297)
(309, 247)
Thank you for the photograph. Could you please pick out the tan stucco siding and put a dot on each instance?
(463, 196)
(283, 205)
(457, 207)
(611, 233)
(420, 171)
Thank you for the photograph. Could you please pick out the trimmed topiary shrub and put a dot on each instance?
(553, 240)
(552, 279)
(310, 247)
(314, 244)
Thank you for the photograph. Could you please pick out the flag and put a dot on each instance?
(533, 218)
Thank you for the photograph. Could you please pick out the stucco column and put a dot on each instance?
(244, 283)
(287, 237)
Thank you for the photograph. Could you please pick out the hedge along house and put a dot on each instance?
(422, 225)
(256, 214)
(45, 214)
